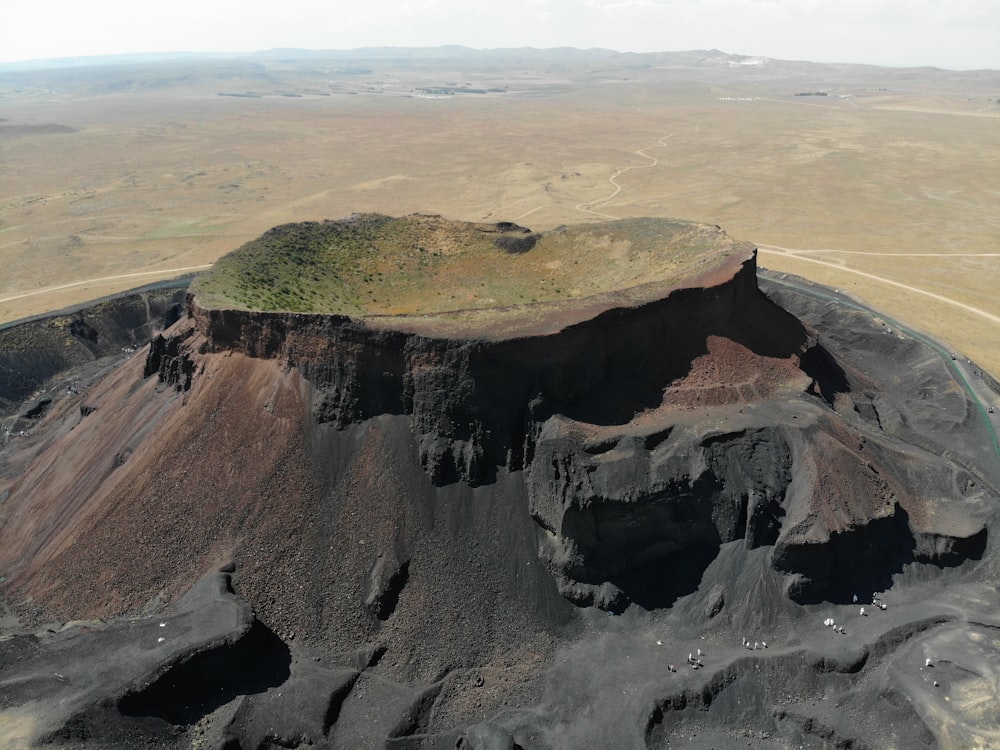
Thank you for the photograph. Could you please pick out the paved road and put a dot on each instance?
(982, 390)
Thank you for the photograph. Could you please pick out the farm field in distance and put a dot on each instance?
(880, 182)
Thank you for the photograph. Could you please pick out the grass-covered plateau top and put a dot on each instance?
(370, 264)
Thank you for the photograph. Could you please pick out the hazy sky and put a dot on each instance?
(946, 33)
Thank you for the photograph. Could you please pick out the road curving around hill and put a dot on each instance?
(982, 391)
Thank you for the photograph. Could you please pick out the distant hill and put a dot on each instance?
(118, 72)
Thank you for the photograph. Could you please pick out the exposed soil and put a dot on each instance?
(436, 541)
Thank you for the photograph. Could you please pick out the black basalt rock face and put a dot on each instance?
(649, 519)
(82, 329)
(638, 514)
(34, 352)
(168, 359)
(516, 244)
(514, 542)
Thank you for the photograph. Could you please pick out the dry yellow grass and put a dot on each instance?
(418, 264)
(900, 185)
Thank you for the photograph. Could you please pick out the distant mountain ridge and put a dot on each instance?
(696, 57)
(298, 72)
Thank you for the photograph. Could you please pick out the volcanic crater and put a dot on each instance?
(419, 483)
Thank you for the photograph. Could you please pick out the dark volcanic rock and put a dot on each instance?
(647, 513)
(618, 529)
(172, 364)
(34, 352)
(472, 403)
(92, 677)
(515, 243)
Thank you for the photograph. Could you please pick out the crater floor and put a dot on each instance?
(371, 265)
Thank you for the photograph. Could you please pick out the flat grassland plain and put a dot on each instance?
(884, 183)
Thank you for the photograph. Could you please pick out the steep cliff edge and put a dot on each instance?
(622, 419)
(35, 351)
(435, 506)
(471, 401)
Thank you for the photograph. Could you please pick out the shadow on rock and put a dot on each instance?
(863, 560)
(190, 690)
(662, 582)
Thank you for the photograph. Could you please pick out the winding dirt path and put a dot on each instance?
(589, 207)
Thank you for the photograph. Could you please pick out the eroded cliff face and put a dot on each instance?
(638, 515)
(648, 437)
(476, 405)
(641, 440)
(422, 521)
(35, 351)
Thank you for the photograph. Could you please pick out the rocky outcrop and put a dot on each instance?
(170, 361)
(34, 352)
(859, 511)
(475, 405)
(621, 502)
(633, 496)
(421, 525)
(637, 517)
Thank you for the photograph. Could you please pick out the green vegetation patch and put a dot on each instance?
(370, 264)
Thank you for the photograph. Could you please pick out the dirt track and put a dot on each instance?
(449, 606)
(799, 254)
(165, 273)
(205, 173)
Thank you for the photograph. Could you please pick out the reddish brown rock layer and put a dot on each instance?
(419, 508)
(157, 486)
